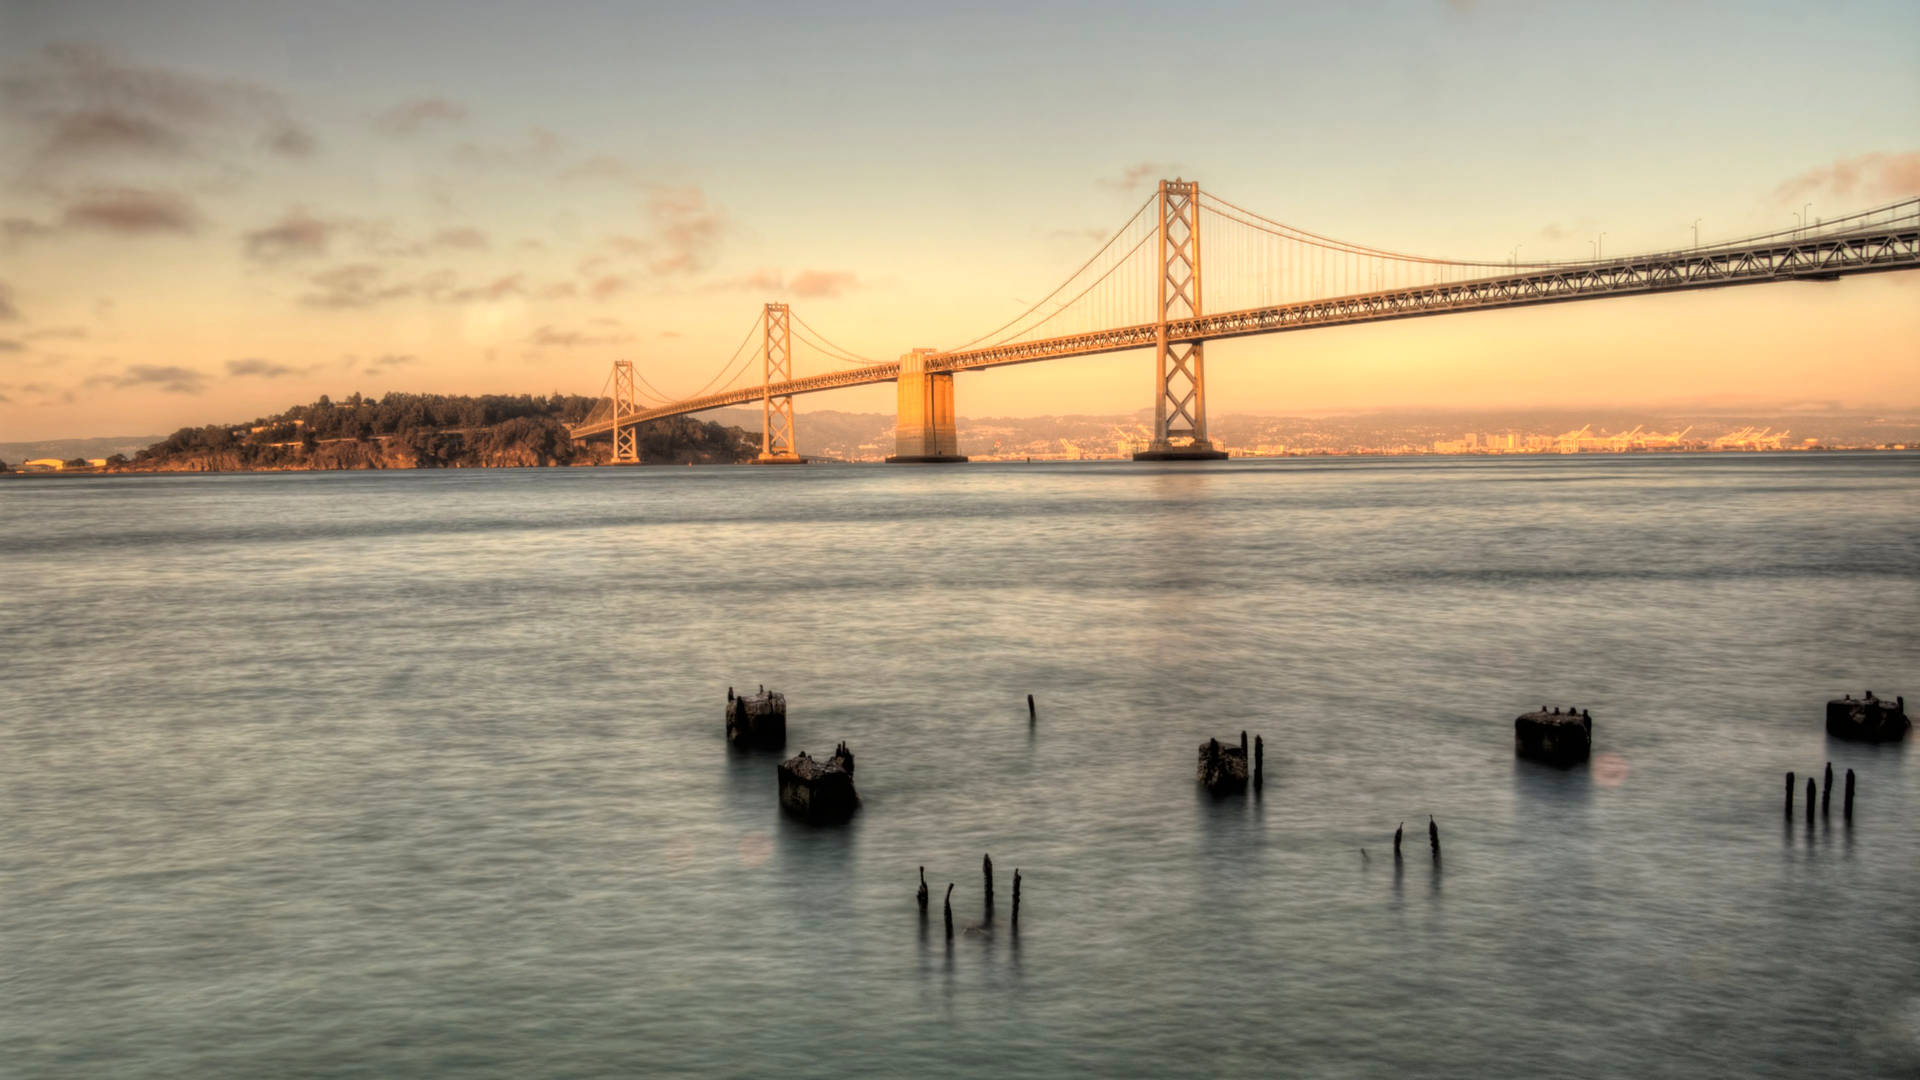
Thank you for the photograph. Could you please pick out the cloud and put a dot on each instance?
(132, 212)
(412, 117)
(1867, 176)
(381, 365)
(292, 141)
(58, 333)
(548, 337)
(8, 312)
(18, 230)
(10, 345)
(1090, 235)
(539, 147)
(603, 167)
(607, 287)
(166, 377)
(762, 280)
(498, 289)
(85, 104)
(355, 285)
(465, 238)
(1133, 178)
(254, 366)
(365, 285)
(1554, 232)
(298, 234)
(821, 284)
(686, 230)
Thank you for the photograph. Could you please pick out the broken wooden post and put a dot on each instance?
(1789, 794)
(1396, 840)
(1826, 790)
(1016, 896)
(1433, 836)
(922, 896)
(986, 868)
(1032, 716)
(1846, 807)
(1243, 744)
(1259, 756)
(949, 910)
(1811, 789)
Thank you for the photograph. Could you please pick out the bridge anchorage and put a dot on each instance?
(1142, 290)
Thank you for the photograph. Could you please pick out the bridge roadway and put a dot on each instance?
(1823, 258)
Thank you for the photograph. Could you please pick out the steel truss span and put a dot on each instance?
(1865, 248)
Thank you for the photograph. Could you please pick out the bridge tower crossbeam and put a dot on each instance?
(776, 412)
(1180, 374)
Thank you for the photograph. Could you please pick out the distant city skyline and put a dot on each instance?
(214, 209)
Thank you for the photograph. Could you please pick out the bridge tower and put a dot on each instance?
(626, 437)
(924, 431)
(1180, 377)
(776, 413)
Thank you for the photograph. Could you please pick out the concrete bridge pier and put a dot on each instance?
(924, 431)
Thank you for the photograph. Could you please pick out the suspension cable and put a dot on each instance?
(1070, 278)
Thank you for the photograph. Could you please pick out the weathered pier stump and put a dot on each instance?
(986, 869)
(1868, 719)
(1222, 769)
(1812, 789)
(819, 790)
(922, 894)
(1789, 794)
(1259, 762)
(1032, 716)
(1016, 897)
(1846, 808)
(1826, 790)
(1557, 738)
(760, 720)
(1396, 840)
(949, 910)
(1433, 837)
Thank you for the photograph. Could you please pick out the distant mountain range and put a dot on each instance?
(14, 453)
(838, 435)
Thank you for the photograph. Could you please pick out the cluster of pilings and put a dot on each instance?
(1825, 795)
(986, 925)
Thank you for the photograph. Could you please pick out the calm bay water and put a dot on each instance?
(413, 774)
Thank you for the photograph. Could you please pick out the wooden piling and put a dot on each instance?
(1846, 805)
(1812, 789)
(1396, 840)
(1243, 746)
(986, 868)
(1433, 836)
(1259, 756)
(1016, 896)
(922, 895)
(1789, 794)
(949, 909)
(1032, 716)
(1826, 790)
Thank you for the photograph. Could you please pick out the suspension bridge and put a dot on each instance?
(1142, 290)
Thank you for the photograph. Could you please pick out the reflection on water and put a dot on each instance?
(406, 775)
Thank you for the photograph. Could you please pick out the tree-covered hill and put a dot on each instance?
(428, 431)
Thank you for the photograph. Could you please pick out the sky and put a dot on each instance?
(212, 210)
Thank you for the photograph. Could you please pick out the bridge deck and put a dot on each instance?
(1815, 259)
